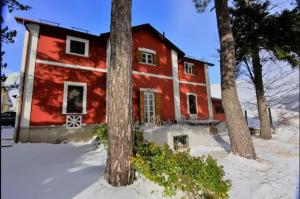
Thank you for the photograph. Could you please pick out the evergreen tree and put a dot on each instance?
(241, 142)
(255, 29)
(7, 36)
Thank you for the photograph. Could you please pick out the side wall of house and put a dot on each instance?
(54, 67)
(218, 116)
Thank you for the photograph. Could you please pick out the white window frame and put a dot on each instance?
(147, 52)
(68, 46)
(153, 104)
(189, 69)
(188, 104)
(65, 100)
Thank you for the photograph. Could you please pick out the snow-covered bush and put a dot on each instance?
(197, 176)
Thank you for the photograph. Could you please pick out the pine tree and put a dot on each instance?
(239, 134)
(118, 171)
(255, 29)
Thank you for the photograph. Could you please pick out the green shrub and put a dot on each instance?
(101, 132)
(197, 176)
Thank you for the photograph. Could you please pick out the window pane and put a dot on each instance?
(192, 104)
(75, 99)
(77, 47)
(150, 58)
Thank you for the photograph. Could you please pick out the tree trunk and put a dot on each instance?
(118, 171)
(239, 133)
(265, 129)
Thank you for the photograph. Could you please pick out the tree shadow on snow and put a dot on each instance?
(225, 145)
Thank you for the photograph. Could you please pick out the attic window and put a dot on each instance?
(189, 68)
(77, 46)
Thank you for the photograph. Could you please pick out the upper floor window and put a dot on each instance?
(74, 98)
(189, 68)
(146, 56)
(77, 46)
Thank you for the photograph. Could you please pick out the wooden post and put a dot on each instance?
(246, 117)
(270, 117)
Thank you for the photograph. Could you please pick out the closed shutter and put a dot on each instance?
(156, 59)
(138, 56)
(142, 107)
(158, 105)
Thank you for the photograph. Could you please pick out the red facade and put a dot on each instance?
(54, 67)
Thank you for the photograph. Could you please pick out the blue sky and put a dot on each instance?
(194, 33)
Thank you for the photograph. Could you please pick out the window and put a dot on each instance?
(74, 98)
(189, 68)
(77, 46)
(192, 103)
(149, 109)
(147, 58)
(181, 142)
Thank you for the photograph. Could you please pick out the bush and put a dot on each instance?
(197, 176)
(101, 134)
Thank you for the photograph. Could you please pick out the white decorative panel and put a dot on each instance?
(73, 121)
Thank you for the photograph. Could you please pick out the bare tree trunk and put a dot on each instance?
(265, 129)
(239, 134)
(118, 171)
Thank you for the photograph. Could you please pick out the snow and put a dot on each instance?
(75, 170)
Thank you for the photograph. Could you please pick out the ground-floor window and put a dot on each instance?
(192, 103)
(149, 107)
(74, 98)
(181, 142)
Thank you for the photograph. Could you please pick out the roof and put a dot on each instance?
(145, 26)
(28, 21)
(198, 60)
(155, 32)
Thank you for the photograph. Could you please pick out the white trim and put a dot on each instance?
(70, 65)
(108, 52)
(147, 50)
(192, 83)
(188, 104)
(29, 76)
(22, 76)
(209, 103)
(153, 90)
(65, 99)
(176, 85)
(151, 75)
(68, 45)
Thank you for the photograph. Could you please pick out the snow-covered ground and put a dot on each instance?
(75, 170)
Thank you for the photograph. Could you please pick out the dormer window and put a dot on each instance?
(189, 68)
(77, 46)
(147, 56)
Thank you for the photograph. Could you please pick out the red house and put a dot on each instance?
(63, 91)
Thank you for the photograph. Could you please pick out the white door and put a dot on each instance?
(149, 109)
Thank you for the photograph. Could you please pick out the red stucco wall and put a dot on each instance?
(218, 116)
(202, 107)
(49, 80)
(48, 88)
